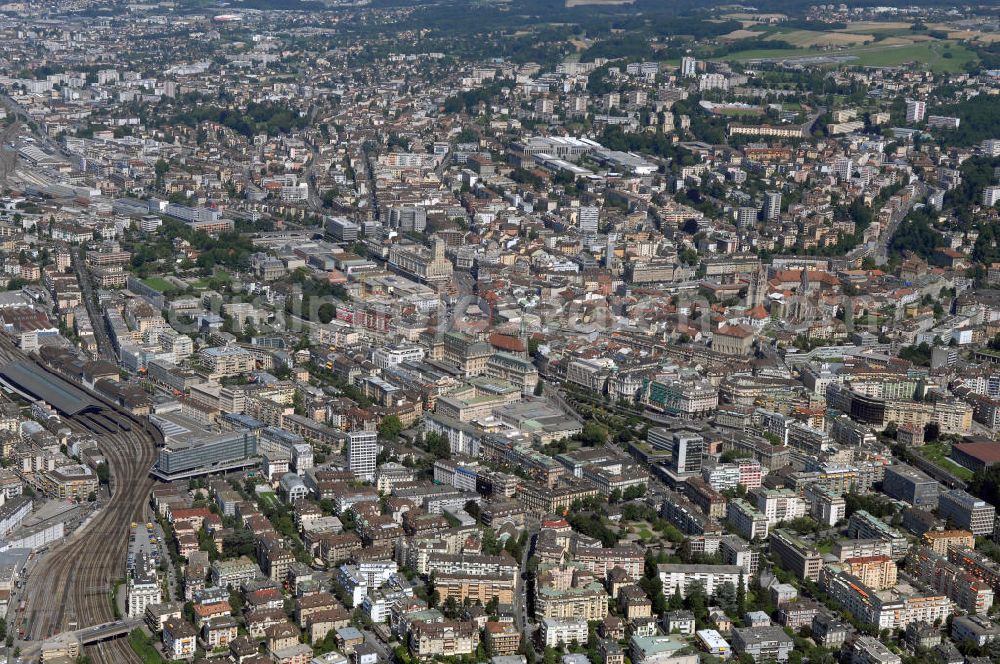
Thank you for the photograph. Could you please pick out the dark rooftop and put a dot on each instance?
(41, 384)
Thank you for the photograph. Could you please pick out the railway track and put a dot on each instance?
(72, 583)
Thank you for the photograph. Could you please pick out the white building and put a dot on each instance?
(588, 219)
(556, 631)
(915, 110)
(991, 195)
(142, 590)
(712, 577)
(390, 356)
(779, 505)
(362, 452)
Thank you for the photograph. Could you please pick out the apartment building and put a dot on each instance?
(736, 551)
(863, 525)
(443, 639)
(224, 361)
(747, 520)
(939, 541)
(825, 506)
(179, 639)
(564, 592)
(962, 587)
(778, 505)
(869, 650)
(878, 572)
(502, 638)
(560, 631)
(857, 548)
(677, 577)
(887, 609)
(795, 555)
(768, 643)
(475, 588)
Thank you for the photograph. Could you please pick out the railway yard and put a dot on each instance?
(72, 582)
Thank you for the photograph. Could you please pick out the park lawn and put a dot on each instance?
(645, 534)
(158, 283)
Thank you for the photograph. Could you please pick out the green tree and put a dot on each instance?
(390, 427)
(438, 445)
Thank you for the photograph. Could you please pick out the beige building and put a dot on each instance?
(475, 588)
(443, 639)
(226, 361)
(430, 266)
(477, 399)
(566, 592)
(732, 340)
(941, 541)
(878, 572)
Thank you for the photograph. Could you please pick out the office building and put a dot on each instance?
(342, 229)
(968, 512)
(686, 451)
(189, 450)
(910, 485)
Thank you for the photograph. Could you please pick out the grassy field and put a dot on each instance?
(931, 54)
(143, 647)
(206, 281)
(158, 283)
(270, 499)
(811, 38)
(937, 453)
(741, 34)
